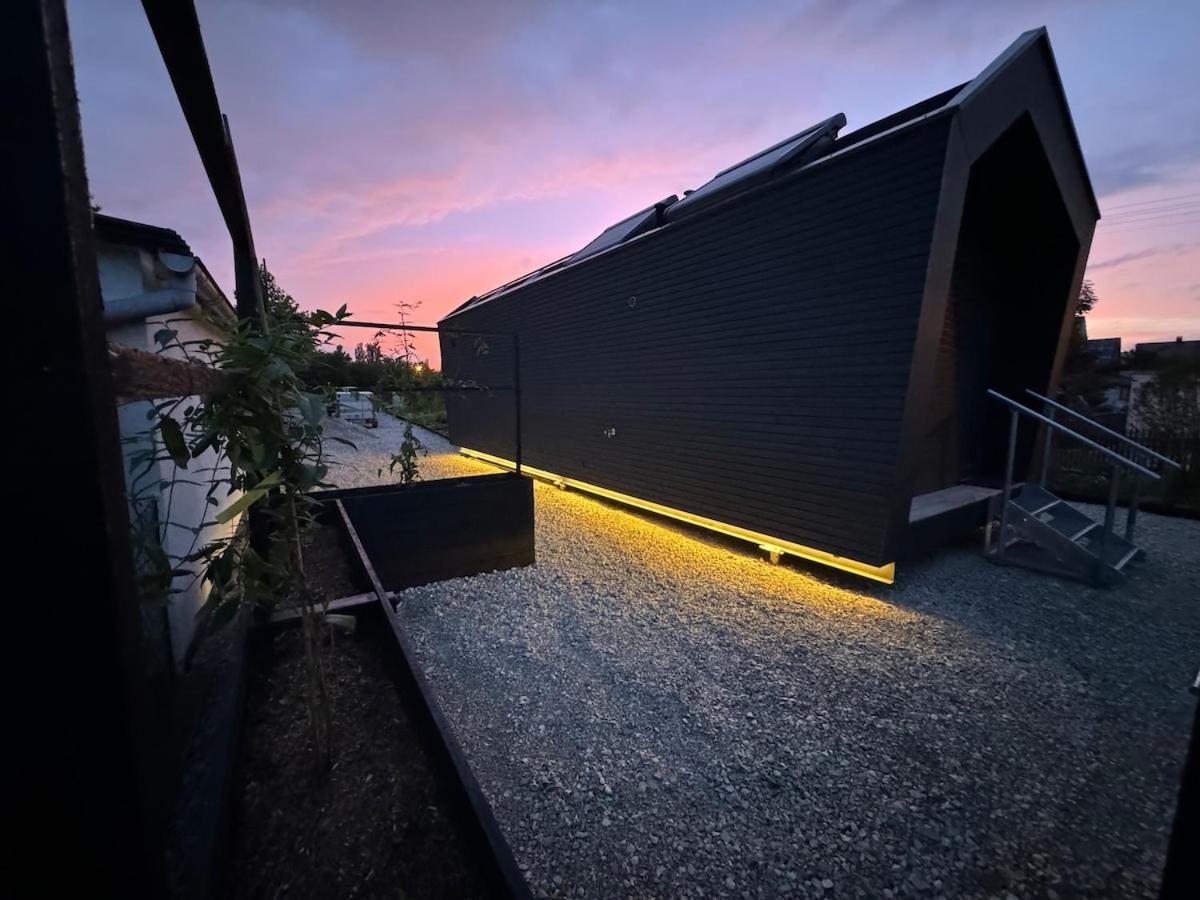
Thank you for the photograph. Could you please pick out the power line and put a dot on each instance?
(1175, 219)
(1120, 229)
(1174, 199)
(1137, 213)
(1169, 214)
(1154, 214)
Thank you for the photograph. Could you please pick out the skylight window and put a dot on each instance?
(760, 166)
(640, 221)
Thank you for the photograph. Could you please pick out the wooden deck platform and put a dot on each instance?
(941, 516)
(948, 499)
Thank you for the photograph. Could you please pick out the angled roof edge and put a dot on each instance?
(209, 293)
(1034, 38)
(113, 230)
(942, 104)
(724, 197)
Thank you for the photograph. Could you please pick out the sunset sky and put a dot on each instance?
(427, 152)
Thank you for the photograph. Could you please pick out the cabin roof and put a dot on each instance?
(812, 146)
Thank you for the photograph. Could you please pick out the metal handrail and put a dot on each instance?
(1104, 451)
(1125, 439)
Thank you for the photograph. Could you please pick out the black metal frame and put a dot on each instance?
(177, 31)
(515, 387)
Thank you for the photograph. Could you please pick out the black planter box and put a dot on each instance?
(448, 528)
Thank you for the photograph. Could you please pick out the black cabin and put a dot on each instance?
(798, 352)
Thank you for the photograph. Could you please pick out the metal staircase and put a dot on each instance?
(1031, 527)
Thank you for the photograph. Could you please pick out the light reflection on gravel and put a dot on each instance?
(656, 713)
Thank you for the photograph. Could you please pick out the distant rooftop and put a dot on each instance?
(112, 230)
(1176, 349)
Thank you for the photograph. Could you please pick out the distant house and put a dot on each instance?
(1156, 353)
(150, 280)
(1105, 353)
(1101, 396)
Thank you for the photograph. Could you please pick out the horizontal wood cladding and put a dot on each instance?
(748, 364)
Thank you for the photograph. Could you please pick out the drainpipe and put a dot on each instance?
(173, 267)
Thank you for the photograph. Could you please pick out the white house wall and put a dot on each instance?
(166, 493)
(183, 502)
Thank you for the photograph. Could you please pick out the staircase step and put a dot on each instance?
(1127, 557)
(1116, 553)
(1034, 498)
(1085, 530)
(1052, 535)
(1066, 520)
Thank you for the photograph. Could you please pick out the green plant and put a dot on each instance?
(266, 427)
(407, 458)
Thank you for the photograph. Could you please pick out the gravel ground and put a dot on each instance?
(656, 713)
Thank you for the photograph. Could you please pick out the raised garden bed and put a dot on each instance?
(447, 528)
(391, 819)
(400, 814)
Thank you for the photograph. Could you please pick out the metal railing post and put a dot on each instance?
(1131, 516)
(1110, 512)
(1008, 480)
(1047, 449)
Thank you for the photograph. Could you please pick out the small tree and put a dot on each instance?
(404, 376)
(267, 426)
(1087, 298)
(407, 458)
(1077, 358)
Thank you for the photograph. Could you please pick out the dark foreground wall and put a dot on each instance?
(748, 364)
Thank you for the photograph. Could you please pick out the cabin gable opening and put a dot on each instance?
(1011, 283)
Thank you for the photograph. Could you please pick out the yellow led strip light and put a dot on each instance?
(885, 573)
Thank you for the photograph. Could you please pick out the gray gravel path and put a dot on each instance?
(656, 713)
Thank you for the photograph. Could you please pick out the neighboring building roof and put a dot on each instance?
(813, 146)
(1104, 350)
(210, 295)
(1176, 349)
(156, 241)
(112, 230)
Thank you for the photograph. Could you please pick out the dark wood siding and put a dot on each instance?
(748, 364)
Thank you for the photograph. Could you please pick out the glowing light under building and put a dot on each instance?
(772, 545)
